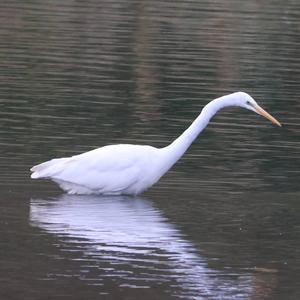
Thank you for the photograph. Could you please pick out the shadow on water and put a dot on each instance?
(170, 245)
(130, 244)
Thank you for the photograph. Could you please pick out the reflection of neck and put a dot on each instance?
(173, 152)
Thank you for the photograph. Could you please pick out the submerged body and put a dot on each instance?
(131, 169)
(114, 170)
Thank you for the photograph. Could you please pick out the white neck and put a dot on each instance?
(173, 152)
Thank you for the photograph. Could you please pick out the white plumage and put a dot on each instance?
(131, 169)
(115, 169)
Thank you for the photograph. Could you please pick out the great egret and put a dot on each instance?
(131, 169)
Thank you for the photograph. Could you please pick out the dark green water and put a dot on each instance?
(224, 222)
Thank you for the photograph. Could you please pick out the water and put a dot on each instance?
(223, 223)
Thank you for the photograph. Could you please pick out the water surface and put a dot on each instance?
(224, 222)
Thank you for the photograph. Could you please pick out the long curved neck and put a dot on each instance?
(175, 150)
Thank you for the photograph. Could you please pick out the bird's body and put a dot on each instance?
(131, 169)
(114, 170)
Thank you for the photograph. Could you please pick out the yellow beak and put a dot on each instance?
(262, 112)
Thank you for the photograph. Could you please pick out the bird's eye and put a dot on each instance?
(248, 102)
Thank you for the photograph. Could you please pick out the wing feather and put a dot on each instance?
(107, 169)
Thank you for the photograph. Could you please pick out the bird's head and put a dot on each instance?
(246, 101)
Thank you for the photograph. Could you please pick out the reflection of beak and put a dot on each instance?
(262, 112)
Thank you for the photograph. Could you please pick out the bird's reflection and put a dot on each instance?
(130, 231)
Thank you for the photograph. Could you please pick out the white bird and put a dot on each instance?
(131, 169)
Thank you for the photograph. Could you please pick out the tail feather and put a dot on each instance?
(48, 168)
